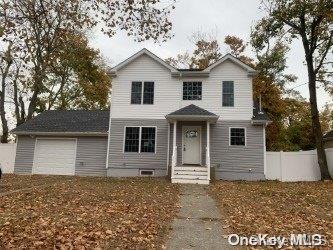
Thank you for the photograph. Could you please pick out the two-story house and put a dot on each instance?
(191, 124)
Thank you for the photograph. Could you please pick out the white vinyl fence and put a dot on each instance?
(295, 166)
(7, 157)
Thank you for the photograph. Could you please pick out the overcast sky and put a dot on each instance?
(223, 17)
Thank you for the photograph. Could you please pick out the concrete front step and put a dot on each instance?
(189, 181)
(191, 177)
(195, 169)
(191, 173)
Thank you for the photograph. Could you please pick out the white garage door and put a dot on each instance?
(55, 156)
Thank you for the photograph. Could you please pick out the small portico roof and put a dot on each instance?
(192, 113)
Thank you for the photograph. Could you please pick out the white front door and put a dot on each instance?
(191, 145)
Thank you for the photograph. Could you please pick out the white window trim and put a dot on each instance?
(228, 107)
(142, 93)
(245, 135)
(140, 133)
(182, 96)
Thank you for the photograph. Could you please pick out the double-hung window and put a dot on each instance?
(142, 93)
(192, 90)
(237, 137)
(228, 94)
(140, 139)
(132, 139)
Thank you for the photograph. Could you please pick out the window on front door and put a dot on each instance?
(228, 94)
(192, 90)
(140, 139)
(142, 93)
(237, 136)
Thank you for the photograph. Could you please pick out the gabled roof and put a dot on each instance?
(192, 113)
(259, 116)
(230, 57)
(94, 122)
(182, 72)
(138, 54)
(192, 110)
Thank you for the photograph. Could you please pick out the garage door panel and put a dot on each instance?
(55, 156)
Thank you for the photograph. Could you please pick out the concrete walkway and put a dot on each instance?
(198, 224)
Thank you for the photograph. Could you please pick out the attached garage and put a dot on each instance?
(63, 142)
(54, 156)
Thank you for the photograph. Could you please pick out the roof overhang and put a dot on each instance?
(144, 51)
(190, 74)
(260, 122)
(30, 133)
(250, 71)
(177, 73)
(173, 118)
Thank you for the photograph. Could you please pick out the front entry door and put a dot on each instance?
(191, 145)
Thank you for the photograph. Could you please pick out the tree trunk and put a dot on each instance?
(322, 161)
(4, 136)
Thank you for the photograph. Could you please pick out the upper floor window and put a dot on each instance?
(142, 93)
(192, 90)
(237, 136)
(140, 139)
(148, 93)
(228, 94)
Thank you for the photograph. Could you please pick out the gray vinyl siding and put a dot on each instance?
(24, 155)
(129, 164)
(230, 162)
(237, 162)
(91, 156)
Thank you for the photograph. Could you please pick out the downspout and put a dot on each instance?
(109, 135)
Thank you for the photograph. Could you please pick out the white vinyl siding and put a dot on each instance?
(54, 156)
(168, 91)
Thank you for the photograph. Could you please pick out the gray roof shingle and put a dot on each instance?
(76, 121)
(257, 115)
(192, 110)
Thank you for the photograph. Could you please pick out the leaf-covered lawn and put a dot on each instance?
(276, 208)
(90, 212)
(12, 182)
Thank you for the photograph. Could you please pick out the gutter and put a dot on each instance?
(260, 122)
(190, 73)
(192, 118)
(61, 133)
